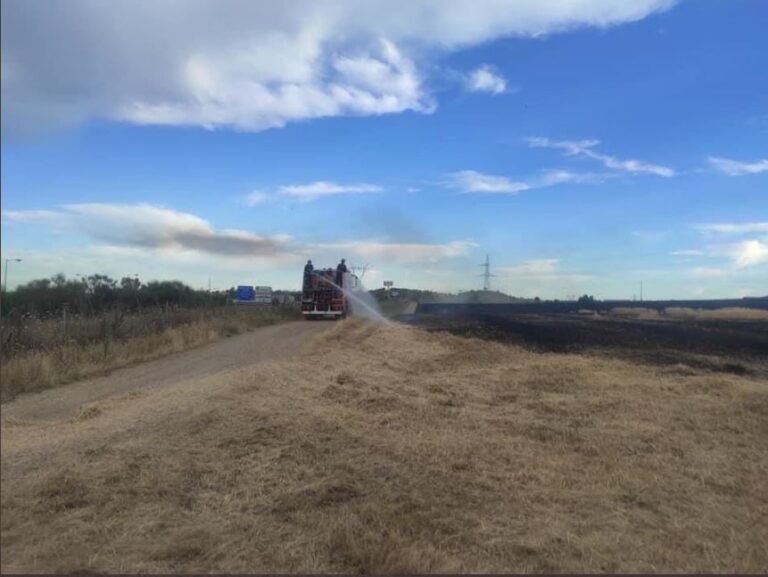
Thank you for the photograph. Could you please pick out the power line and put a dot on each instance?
(487, 274)
(359, 270)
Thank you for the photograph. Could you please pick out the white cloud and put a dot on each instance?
(256, 198)
(537, 267)
(708, 272)
(748, 253)
(737, 168)
(584, 148)
(379, 82)
(395, 252)
(309, 191)
(541, 270)
(734, 228)
(553, 177)
(743, 254)
(28, 215)
(252, 65)
(322, 188)
(484, 79)
(471, 181)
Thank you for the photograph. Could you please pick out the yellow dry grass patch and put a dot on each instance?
(387, 449)
(688, 314)
(58, 362)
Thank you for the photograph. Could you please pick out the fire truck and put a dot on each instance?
(322, 298)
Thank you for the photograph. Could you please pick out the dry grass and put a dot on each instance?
(732, 313)
(390, 450)
(39, 354)
(688, 314)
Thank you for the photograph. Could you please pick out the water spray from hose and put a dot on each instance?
(362, 303)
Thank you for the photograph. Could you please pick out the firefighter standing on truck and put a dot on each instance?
(308, 270)
(340, 270)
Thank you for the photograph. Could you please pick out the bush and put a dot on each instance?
(98, 293)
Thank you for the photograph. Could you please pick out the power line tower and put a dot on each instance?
(359, 270)
(487, 274)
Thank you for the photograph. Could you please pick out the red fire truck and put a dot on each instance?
(323, 298)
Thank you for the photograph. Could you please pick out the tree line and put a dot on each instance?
(98, 293)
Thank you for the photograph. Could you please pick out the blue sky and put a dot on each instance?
(583, 146)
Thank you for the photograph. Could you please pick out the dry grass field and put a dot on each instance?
(41, 353)
(689, 314)
(389, 449)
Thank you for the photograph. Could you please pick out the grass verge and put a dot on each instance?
(97, 345)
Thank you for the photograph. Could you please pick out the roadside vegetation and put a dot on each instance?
(54, 331)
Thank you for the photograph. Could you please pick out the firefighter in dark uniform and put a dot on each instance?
(340, 270)
(308, 270)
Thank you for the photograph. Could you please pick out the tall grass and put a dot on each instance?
(42, 352)
(688, 314)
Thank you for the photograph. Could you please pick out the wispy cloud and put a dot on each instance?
(734, 228)
(309, 191)
(139, 228)
(544, 270)
(471, 181)
(485, 79)
(153, 227)
(256, 198)
(396, 252)
(688, 252)
(322, 188)
(28, 215)
(708, 272)
(535, 267)
(738, 168)
(651, 236)
(584, 148)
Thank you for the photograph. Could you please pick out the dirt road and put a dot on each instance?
(264, 344)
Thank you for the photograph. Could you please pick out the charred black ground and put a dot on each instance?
(733, 346)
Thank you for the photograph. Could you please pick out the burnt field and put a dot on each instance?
(700, 340)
